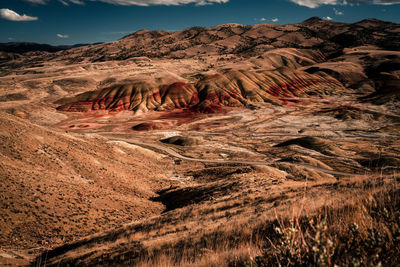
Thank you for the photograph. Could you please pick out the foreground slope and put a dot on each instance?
(58, 186)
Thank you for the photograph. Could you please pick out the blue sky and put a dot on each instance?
(88, 21)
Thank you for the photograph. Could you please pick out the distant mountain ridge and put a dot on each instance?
(245, 40)
(24, 47)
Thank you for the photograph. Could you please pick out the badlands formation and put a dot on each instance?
(186, 148)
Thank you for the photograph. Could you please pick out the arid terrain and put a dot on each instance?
(226, 146)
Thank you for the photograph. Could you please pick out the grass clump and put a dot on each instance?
(367, 234)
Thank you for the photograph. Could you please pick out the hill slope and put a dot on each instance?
(58, 186)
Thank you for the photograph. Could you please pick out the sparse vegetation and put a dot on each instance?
(365, 233)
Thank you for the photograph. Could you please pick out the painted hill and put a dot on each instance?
(211, 93)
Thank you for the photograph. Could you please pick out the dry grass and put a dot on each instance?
(365, 232)
(362, 232)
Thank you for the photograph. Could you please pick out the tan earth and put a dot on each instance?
(163, 142)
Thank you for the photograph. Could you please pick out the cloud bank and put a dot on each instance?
(138, 2)
(306, 3)
(271, 20)
(318, 3)
(42, 2)
(338, 12)
(62, 36)
(9, 14)
(162, 2)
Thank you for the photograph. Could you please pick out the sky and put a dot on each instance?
(59, 22)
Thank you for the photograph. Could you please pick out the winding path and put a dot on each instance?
(175, 154)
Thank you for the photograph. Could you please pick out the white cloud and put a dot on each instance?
(65, 3)
(207, 2)
(386, 3)
(338, 12)
(318, 3)
(161, 2)
(68, 2)
(62, 36)
(77, 2)
(137, 2)
(315, 3)
(42, 2)
(327, 18)
(9, 14)
(306, 3)
(272, 20)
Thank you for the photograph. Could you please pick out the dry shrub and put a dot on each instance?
(366, 233)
